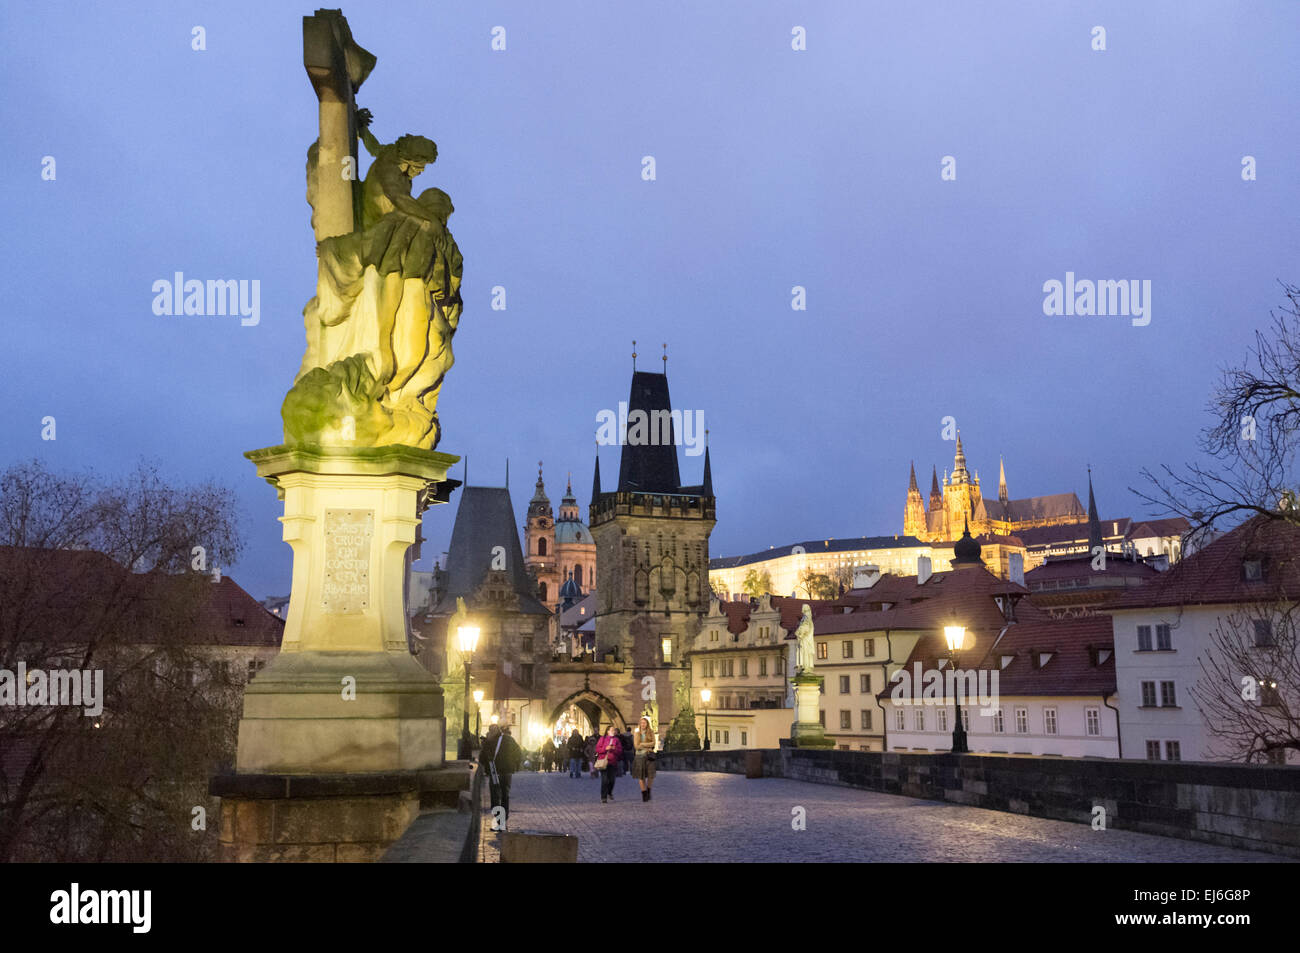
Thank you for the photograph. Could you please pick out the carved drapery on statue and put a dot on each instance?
(387, 301)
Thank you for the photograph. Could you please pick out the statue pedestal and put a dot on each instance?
(345, 696)
(807, 730)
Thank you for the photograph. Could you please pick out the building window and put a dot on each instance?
(713, 635)
(822, 651)
(762, 665)
(821, 717)
(846, 720)
(1022, 721)
(1144, 638)
(744, 739)
(844, 684)
(541, 545)
(1252, 570)
(1092, 721)
(846, 649)
(255, 665)
(1164, 641)
(868, 648)
(865, 719)
(965, 719)
(918, 719)
(1173, 751)
(526, 644)
(1049, 721)
(526, 675)
(1168, 698)
(864, 684)
(941, 716)
(999, 725)
(1153, 751)
(1263, 633)
(898, 720)
(666, 647)
(1269, 697)
(541, 591)
(1148, 694)
(577, 576)
(726, 736)
(780, 665)
(744, 667)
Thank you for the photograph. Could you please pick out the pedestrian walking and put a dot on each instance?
(548, 755)
(643, 768)
(608, 752)
(589, 755)
(574, 748)
(629, 752)
(500, 757)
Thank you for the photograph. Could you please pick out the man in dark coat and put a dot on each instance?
(500, 757)
(574, 747)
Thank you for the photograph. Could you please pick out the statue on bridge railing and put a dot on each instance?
(806, 659)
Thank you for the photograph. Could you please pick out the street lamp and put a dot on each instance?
(467, 635)
(705, 695)
(478, 710)
(956, 637)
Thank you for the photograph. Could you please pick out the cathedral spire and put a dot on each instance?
(911, 482)
(1094, 524)
(708, 468)
(1002, 481)
(936, 496)
(959, 462)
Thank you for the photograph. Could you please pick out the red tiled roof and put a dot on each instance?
(1068, 671)
(1214, 575)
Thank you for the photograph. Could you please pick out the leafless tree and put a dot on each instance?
(1251, 443)
(96, 575)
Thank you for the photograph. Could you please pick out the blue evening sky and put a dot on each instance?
(775, 168)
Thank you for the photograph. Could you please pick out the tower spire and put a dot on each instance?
(1094, 524)
(634, 355)
(959, 462)
(911, 482)
(708, 469)
(1002, 480)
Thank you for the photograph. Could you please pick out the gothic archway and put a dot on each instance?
(593, 705)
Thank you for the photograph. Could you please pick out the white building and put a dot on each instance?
(1207, 651)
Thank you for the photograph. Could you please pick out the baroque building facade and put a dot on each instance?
(558, 550)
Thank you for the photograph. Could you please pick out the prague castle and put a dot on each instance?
(960, 502)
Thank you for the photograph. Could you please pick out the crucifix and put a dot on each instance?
(337, 67)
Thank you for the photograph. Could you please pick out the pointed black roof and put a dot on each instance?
(1095, 538)
(911, 482)
(934, 484)
(485, 519)
(708, 473)
(649, 466)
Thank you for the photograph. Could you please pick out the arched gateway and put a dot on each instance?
(593, 705)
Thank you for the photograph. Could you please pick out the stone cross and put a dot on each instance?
(337, 67)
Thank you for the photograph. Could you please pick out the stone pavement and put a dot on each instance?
(726, 818)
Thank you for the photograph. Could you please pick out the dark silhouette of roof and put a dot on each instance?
(650, 466)
(485, 519)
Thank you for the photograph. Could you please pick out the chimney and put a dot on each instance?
(1017, 572)
(922, 569)
(864, 577)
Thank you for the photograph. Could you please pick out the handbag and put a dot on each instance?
(603, 761)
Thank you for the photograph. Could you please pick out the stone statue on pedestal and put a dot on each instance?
(806, 658)
(387, 300)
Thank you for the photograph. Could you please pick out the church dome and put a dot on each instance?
(967, 549)
(572, 531)
(570, 589)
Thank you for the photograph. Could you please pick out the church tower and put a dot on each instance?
(914, 514)
(961, 495)
(539, 544)
(652, 557)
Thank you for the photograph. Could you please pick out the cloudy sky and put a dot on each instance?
(775, 168)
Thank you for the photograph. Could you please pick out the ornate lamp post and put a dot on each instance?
(478, 710)
(468, 639)
(705, 695)
(956, 637)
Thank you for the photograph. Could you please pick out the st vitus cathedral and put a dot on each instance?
(959, 501)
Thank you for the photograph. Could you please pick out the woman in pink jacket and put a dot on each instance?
(610, 749)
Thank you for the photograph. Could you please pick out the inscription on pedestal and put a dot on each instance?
(346, 586)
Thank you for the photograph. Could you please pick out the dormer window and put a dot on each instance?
(1252, 569)
(1006, 660)
(1041, 658)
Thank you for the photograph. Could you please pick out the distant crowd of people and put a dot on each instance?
(608, 756)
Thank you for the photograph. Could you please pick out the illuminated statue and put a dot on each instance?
(804, 635)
